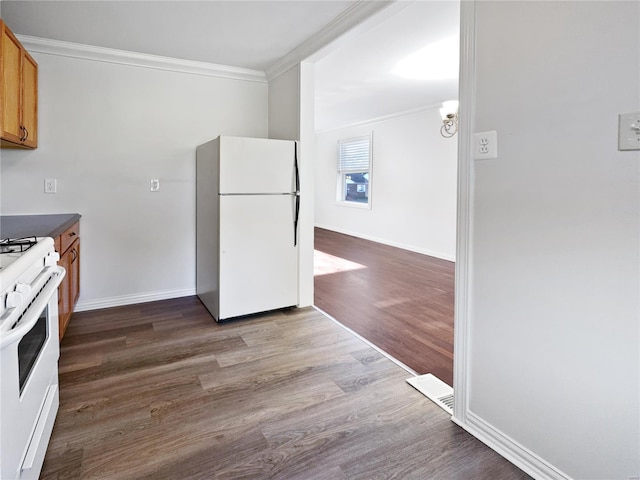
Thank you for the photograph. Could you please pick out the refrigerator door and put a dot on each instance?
(258, 259)
(256, 165)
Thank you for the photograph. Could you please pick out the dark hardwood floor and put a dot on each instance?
(160, 391)
(400, 301)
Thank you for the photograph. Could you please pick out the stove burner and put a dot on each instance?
(17, 245)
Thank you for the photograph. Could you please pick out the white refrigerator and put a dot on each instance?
(247, 208)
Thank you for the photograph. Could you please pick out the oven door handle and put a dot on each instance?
(54, 276)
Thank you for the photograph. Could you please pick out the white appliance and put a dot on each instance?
(29, 351)
(247, 207)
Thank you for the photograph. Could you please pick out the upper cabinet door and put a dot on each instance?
(256, 166)
(11, 67)
(18, 93)
(30, 100)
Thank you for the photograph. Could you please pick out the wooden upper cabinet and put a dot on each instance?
(30, 100)
(11, 67)
(19, 93)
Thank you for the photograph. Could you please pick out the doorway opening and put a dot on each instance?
(387, 272)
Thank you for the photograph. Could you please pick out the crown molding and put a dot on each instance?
(346, 21)
(383, 118)
(143, 60)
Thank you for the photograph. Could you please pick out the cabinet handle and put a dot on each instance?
(75, 255)
(22, 136)
(26, 134)
(72, 234)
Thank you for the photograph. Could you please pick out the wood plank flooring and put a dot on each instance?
(160, 391)
(400, 301)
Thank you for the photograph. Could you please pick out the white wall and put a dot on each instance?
(413, 185)
(291, 106)
(105, 130)
(555, 308)
(284, 105)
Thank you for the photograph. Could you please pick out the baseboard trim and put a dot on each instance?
(520, 456)
(84, 306)
(404, 246)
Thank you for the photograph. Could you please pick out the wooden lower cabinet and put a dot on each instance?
(64, 300)
(69, 290)
(75, 273)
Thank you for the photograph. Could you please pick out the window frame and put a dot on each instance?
(342, 172)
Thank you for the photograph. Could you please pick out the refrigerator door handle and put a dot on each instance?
(297, 194)
(295, 164)
(295, 220)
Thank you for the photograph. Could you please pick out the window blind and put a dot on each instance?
(354, 154)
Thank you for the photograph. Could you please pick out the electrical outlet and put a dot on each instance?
(485, 145)
(50, 185)
(155, 184)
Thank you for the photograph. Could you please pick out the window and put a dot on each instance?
(354, 171)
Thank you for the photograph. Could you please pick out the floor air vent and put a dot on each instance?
(435, 389)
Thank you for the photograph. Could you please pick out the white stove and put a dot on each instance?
(29, 351)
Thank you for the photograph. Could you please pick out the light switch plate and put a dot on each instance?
(629, 131)
(485, 145)
(50, 185)
(155, 184)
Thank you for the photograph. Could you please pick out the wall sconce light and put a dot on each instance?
(449, 114)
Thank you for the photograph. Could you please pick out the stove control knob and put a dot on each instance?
(14, 299)
(51, 260)
(24, 289)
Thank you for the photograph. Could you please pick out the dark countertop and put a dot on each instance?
(18, 226)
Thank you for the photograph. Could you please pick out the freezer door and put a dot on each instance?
(258, 259)
(256, 165)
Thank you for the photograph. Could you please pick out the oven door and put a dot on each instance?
(29, 369)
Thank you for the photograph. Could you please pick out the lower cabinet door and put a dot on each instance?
(74, 273)
(64, 297)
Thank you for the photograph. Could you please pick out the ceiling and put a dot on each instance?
(354, 82)
(247, 34)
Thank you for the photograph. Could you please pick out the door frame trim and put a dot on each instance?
(463, 415)
(463, 273)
